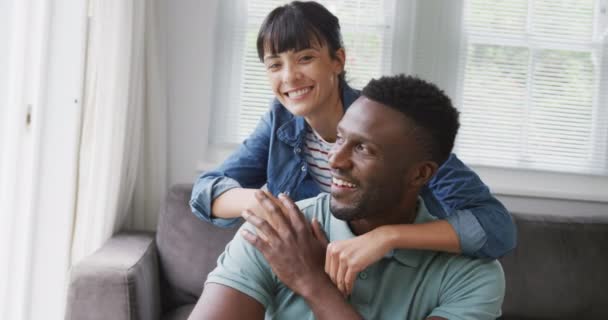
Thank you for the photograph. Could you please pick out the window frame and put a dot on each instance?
(540, 183)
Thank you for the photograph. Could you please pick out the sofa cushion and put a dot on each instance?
(559, 269)
(188, 249)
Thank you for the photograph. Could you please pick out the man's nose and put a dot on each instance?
(339, 157)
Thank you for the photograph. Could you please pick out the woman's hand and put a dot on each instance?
(346, 258)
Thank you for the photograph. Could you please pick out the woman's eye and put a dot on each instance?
(361, 147)
(306, 58)
(339, 140)
(273, 66)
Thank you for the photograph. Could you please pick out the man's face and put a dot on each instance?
(370, 160)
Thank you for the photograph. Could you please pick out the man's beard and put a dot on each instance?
(372, 203)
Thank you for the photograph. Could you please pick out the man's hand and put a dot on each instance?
(294, 249)
(346, 258)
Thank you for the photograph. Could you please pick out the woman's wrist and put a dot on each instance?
(387, 236)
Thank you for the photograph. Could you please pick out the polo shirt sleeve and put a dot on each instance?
(242, 267)
(471, 289)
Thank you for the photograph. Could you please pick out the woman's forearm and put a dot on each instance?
(436, 236)
(231, 203)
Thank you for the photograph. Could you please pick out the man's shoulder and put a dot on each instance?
(455, 262)
(460, 270)
(315, 207)
(466, 287)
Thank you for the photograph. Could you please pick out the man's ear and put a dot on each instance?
(422, 173)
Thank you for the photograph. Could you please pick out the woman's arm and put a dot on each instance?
(484, 226)
(435, 236)
(233, 202)
(346, 258)
(233, 182)
(473, 222)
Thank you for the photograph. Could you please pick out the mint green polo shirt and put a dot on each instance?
(406, 284)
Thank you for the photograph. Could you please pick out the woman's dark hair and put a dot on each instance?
(295, 25)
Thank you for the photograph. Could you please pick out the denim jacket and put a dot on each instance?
(272, 155)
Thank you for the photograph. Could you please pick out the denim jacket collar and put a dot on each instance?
(293, 130)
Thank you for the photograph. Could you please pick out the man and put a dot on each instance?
(390, 143)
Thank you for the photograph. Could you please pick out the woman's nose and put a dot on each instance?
(290, 73)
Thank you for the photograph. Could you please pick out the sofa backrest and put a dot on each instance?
(558, 271)
(188, 248)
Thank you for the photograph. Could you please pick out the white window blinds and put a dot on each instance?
(242, 93)
(534, 77)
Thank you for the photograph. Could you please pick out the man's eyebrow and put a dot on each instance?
(360, 136)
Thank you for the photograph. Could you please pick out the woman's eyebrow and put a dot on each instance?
(272, 56)
(311, 48)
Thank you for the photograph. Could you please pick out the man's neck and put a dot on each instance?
(404, 213)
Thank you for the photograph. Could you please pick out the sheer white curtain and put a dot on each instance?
(151, 182)
(122, 142)
(81, 155)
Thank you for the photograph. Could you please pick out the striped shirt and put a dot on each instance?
(316, 151)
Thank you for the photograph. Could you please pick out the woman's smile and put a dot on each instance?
(299, 93)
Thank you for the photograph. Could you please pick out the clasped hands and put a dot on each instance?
(299, 252)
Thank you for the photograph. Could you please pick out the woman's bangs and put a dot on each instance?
(284, 35)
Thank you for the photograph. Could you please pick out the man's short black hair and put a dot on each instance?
(427, 106)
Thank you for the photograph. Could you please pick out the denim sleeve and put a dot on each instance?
(484, 226)
(245, 168)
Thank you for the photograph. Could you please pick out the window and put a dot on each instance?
(529, 77)
(242, 93)
(534, 77)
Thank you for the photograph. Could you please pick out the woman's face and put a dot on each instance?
(305, 81)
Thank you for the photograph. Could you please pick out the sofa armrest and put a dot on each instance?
(119, 281)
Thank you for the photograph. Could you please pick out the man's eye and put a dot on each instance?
(339, 140)
(361, 147)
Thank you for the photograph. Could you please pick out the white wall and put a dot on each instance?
(190, 40)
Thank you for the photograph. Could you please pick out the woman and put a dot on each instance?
(301, 47)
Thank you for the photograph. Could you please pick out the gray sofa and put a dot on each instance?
(558, 271)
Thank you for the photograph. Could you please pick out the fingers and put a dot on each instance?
(318, 232)
(339, 266)
(298, 221)
(331, 263)
(265, 230)
(279, 221)
(256, 241)
(340, 276)
(349, 280)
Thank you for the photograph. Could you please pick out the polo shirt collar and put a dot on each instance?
(339, 230)
(409, 257)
